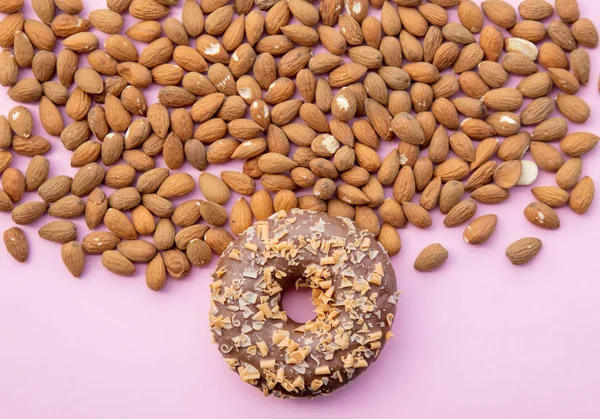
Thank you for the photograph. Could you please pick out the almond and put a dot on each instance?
(481, 229)
(508, 174)
(241, 216)
(460, 213)
(408, 129)
(535, 9)
(73, 257)
(490, 194)
(116, 263)
(106, 21)
(574, 108)
(567, 10)
(156, 272)
(16, 244)
(537, 111)
(542, 215)
(536, 85)
(551, 195)
(492, 43)
(582, 195)
(199, 253)
(59, 231)
(416, 215)
(569, 174)
(26, 90)
(523, 250)
(99, 241)
(218, 239)
(95, 208)
(450, 195)
(546, 156)
(578, 143)
(67, 207)
(14, 184)
(503, 99)
(500, 12)
(481, 176)
(552, 56)
(452, 169)
(29, 212)
(213, 188)
(431, 258)
(484, 151)
(580, 65)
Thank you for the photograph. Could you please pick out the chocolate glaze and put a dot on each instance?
(353, 289)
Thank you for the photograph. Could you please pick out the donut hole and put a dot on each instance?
(298, 305)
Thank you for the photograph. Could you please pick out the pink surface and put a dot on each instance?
(476, 339)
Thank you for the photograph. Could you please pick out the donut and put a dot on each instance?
(353, 288)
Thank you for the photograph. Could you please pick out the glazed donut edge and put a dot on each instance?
(354, 294)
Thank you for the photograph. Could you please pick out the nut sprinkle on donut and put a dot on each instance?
(353, 292)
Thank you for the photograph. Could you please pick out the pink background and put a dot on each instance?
(479, 338)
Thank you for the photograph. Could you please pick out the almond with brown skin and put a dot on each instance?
(177, 263)
(551, 195)
(450, 195)
(36, 173)
(137, 251)
(107, 21)
(535, 9)
(239, 182)
(500, 12)
(99, 241)
(389, 239)
(574, 108)
(578, 143)
(492, 43)
(507, 174)
(452, 169)
(404, 187)
(213, 188)
(568, 10)
(416, 215)
(55, 188)
(430, 196)
(67, 207)
(29, 212)
(199, 253)
(118, 264)
(218, 239)
(9, 69)
(14, 183)
(407, 128)
(582, 195)
(570, 173)
(5, 202)
(26, 90)
(523, 250)
(580, 65)
(481, 229)
(59, 231)
(490, 194)
(537, 111)
(460, 213)
(73, 257)
(546, 157)
(431, 258)
(542, 215)
(16, 244)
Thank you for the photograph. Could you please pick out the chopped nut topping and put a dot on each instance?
(322, 370)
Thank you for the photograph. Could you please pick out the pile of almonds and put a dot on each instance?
(302, 93)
